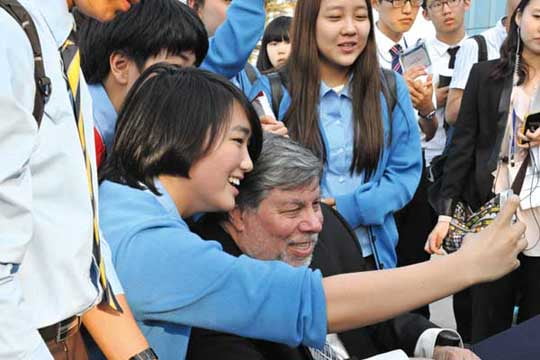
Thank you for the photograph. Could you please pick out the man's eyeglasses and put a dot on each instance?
(437, 5)
(401, 3)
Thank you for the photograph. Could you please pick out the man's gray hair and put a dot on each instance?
(283, 164)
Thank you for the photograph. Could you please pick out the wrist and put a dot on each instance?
(147, 354)
(464, 259)
(429, 115)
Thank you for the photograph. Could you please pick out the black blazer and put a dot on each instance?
(476, 143)
(337, 252)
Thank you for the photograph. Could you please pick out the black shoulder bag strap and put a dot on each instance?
(482, 47)
(251, 73)
(276, 89)
(43, 83)
(503, 111)
(389, 89)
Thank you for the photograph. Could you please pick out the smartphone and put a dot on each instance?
(444, 81)
(532, 123)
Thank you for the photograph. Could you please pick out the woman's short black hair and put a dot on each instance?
(171, 118)
(147, 29)
(277, 30)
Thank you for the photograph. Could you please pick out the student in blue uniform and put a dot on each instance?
(185, 139)
(334, 104)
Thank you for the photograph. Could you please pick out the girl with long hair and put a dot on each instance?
(337, 103)
(275, 44)
(185, 140)
(489, 145)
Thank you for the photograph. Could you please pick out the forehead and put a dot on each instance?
(304, 194)
(328, 4)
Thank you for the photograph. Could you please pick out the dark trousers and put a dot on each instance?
(72, 348)
(414, 223)
(493, 303)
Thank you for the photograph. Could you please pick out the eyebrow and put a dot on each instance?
(245, 130)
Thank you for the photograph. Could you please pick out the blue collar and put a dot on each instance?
(325, 89)
(105, 115)
(165, 200)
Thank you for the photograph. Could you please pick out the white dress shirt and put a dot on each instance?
(468, 54)
(440, 59)
(384, 44)
(45, 208)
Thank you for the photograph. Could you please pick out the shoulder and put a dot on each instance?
(482, 71)
(15, 43)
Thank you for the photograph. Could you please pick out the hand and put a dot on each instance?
(493, 251)
(421, 91)
(453, 353)
(436, 237)
(441, 94)
(273, 126)
(530, 139)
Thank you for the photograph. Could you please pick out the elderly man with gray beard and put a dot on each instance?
(279, 216)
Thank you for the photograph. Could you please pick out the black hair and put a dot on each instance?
(171, 118)
(146, 30)
(277, 30)
(509, 51)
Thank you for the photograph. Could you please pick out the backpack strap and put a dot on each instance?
(276, 90)
(251, 73)
(482, 47)
(389, 87)
(43, 83)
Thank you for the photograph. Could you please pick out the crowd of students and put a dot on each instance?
(145, 201)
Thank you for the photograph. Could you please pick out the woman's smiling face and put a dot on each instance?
(214, 179)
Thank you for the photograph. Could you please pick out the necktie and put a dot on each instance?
(72, 68)
(395, 51)
(327, 353)
(453, 52)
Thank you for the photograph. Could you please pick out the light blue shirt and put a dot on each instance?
(335, 114)
(394, 182)
(234, 40)
(104, 114)
(175, 280)
(45, 208)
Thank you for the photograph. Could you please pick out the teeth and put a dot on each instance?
(234, 181)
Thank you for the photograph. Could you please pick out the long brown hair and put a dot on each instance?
(304, 84)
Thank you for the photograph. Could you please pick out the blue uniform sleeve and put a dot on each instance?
(202, 286)
(371, 202)
(235, 39)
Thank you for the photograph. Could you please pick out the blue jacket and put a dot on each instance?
(392, 186)
(174, 280)
(234, 40)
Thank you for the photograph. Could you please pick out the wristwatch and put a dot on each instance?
(429, 116)
(147, 354)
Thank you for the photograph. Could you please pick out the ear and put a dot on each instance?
(375, 4)
(426, 14)
(236, 219)
(119, 64)
(467, 4)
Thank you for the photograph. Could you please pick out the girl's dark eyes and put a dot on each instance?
(239, 140)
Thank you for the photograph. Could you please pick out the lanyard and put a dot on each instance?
(513, 138)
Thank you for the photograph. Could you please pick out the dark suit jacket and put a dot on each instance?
(337, 252)
(476, 143)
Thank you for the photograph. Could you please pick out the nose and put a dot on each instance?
(246, 164)
(407, 7)
(445, 7)
(312, 221)
(348, 27)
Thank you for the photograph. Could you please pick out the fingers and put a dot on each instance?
(415, 72)
(278, 129)
(505, 215)
(268, 120)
